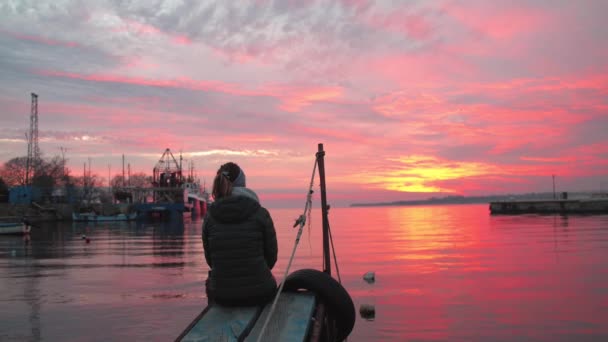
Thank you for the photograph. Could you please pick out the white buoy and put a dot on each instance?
(369, 277)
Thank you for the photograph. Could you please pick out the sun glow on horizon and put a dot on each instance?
(422, 174)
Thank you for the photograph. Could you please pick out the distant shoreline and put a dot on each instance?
(472, 199)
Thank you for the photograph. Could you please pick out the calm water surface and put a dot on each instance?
(442, 273)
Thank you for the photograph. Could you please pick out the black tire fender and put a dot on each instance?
(331, 292)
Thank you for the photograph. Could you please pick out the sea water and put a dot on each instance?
(450, 272)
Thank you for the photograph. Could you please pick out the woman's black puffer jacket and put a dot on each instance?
(241, 248)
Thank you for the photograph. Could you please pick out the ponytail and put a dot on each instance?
(222, 186)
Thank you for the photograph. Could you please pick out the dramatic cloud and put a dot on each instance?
(411, 99)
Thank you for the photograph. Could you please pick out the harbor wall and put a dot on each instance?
(57, 211)
(563, 206)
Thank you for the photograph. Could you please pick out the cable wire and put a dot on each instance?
(301, 221)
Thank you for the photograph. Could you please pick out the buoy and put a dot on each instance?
(331, 292)
(367, 312)
(369, 277)
(88, 240)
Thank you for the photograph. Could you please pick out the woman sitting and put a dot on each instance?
(240, 243)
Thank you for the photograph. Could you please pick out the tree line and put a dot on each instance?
(50, 173)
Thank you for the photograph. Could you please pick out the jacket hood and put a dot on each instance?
(243, 191)
(233, 208)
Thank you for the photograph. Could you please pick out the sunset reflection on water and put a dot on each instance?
(458, 273)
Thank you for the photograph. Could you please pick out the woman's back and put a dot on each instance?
(240, 246)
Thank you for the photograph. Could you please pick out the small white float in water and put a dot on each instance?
(369, 277)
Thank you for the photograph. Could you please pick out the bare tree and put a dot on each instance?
(14, 171)
(47, 172)
(117, 181)
(88, 186)
(54, 169)
(140, 180)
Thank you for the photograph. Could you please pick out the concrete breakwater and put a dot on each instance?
(562, 206)
(57, 211)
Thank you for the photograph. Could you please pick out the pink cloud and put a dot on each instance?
(499, 22)
(293, 97)
(83, 113)
(509, 115)
(568, 159)
(40, 39)
(403, 104)
(412, 25)
(181, 40)
(139, 63)
(251, 138)
(144, 29)
(327, 133)
(184, 83)
(297, 98)
(492, 94)
(433, 68)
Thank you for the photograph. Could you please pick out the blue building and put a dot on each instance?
(23, 195)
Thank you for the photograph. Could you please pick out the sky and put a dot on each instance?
(411, 99)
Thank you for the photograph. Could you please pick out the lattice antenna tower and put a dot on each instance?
(33, 151)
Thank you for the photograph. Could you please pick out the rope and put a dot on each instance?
(333, 250)
(309, 230)
(301, 221)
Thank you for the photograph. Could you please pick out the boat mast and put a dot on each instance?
(324, 210)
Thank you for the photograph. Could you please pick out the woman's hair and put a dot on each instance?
(222, 183)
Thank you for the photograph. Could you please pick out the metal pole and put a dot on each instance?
(63, 149)
(123, 171)
(27, 161)
(324, 210)
(554, 187)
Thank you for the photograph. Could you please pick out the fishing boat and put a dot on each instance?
(197, 197)
(14, 228)
(310, 304)
(168, 196)
(94, 217)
